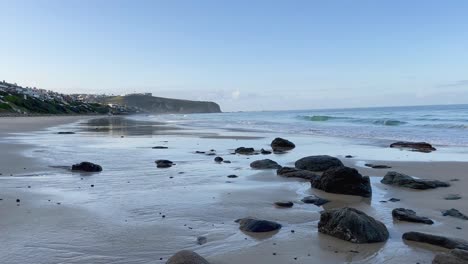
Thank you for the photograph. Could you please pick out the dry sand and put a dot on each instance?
(23, 227)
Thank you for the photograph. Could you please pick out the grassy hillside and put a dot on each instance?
(163, 105)
(16, 103)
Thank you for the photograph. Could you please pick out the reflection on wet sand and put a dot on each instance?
(120, 126)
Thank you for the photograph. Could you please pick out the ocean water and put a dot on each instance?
(443, 125)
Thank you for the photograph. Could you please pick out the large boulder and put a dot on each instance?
(403, 180)
(408, 215)
(352, 225)
(290, 172)
(455, 256)
(86, 166)
(256, 225)
(343, 180)
(264, 164)
(445, 242)
(186, 257)
(414, 146)
(318, 163)
(282, 144)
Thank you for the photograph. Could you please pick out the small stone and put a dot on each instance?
(348, 156)
(18, 200)
(202, 240)
(232, 176)
(218, 159)
(393, 200)
(92, 185)
(287, 204)
(454, 213)
(452, 197)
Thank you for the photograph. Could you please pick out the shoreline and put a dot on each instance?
(65, 211)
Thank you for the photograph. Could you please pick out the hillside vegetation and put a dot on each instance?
(163, 105)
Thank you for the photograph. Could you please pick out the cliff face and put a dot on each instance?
(163, 105)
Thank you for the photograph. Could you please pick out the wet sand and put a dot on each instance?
(71, 227)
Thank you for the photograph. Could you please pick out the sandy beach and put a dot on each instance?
(133, 212)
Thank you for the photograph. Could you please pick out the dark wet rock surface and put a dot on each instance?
(159, 147)
(264, 164)
(218, 159)
(245, 151)
(87, 167)
(290, 172)
(409, 215)
(232, 176)
(265, 152)
(394, 200)
(352, 225)
(281, 144)
(377, 166)
(257, 225)
(164, 163)
(343, 180)
(414, 146)
(403, 180)
(201, 240)
(287, 204)
(312, 199)
(455, 256)
(318, 163)
(66, 133)
(186, 257)
(441, 241)
(454, 213)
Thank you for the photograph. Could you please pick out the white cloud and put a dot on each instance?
(235, 94)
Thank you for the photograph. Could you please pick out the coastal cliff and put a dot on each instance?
(158, 105)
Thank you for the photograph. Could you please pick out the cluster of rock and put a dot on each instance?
(86, 166)
(330, 175)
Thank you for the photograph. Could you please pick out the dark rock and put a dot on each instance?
(403, 180)
(318, 163)
(452, 197)
(264, 164)
(200, 152)
(18, 200)
(454, 213)
(160, 147)
(414, 146)
(211, 154)
(226, 161)
(186, 257)
(245, 151)
(65, 133)
(164, 163)
(343, 180)
(349, 156)
(218, 159)
(445, 242)
(290, 172)
(265, 152)
(257, 226)
(86, 166)
(455, 256)
(314, 200)
(287, 204)
(408, 215)
(202, 240)
(232, 176)
(282, 144)
(377, 166)
(352, 225)
(394, 200)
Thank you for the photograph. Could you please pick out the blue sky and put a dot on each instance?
(246, 55)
